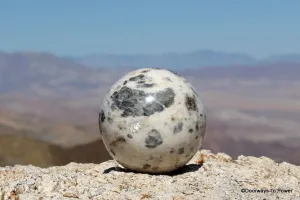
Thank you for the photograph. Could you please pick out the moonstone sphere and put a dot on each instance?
(152, 121)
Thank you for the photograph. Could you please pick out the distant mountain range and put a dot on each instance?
(50, 75)
(196, 59)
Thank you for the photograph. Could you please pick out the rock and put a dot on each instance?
(206, 176)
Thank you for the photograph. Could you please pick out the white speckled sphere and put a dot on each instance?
(152, 121)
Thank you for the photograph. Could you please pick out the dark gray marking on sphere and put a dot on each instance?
(178, 127)
(190, 103)
(127, 104)
(146, 85)
(154, 139)
(99, 123)
(113, 106)
(120, 127)
(172, 150)
(157, 68)
(151, 108)
(133, 102)
(102, 116)
(119, 140)
(129, 136)
(197, 137)
(146, 166)
(137, 78)
(181, 150)
(168, 79)
(197, 127)
(140, 82)
(100, 130)
(176, 74)
(191, 130)
(124, 94)
(201, 115)
(114, 94)
(110, 120)
(125, 82)
(165, 97)
(145, 71)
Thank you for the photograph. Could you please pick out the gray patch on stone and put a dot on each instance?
(145, 71)
(113, 107)
(141, 82)
(178, 127)
(167, 79)
(110, 120)
(146, 85)
(197, 127)
(118, 141)
(166, 97)
(137, 78)
(176, 74)
(151, 108)
(154, 139)
(190, 103)
(102, 116)
(133, 102)
(181, 150)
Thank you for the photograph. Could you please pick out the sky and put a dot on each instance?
(77, 28)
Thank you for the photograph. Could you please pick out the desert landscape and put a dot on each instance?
(49, 107)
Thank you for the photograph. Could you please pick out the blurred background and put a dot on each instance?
(59, 58)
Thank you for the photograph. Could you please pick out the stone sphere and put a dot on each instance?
(152, 121)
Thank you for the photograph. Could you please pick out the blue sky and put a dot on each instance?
(74, 28)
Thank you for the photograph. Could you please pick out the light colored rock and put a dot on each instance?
(218, 178)
(152, 120)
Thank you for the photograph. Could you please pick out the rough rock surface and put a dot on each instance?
(206, 176)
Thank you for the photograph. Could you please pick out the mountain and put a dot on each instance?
(287, 58)
(274, 71)
(43, 74)
(196, 59)
(200, 58)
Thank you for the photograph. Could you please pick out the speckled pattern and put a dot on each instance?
(152, 120)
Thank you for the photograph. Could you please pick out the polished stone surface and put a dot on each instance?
(152, 120)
